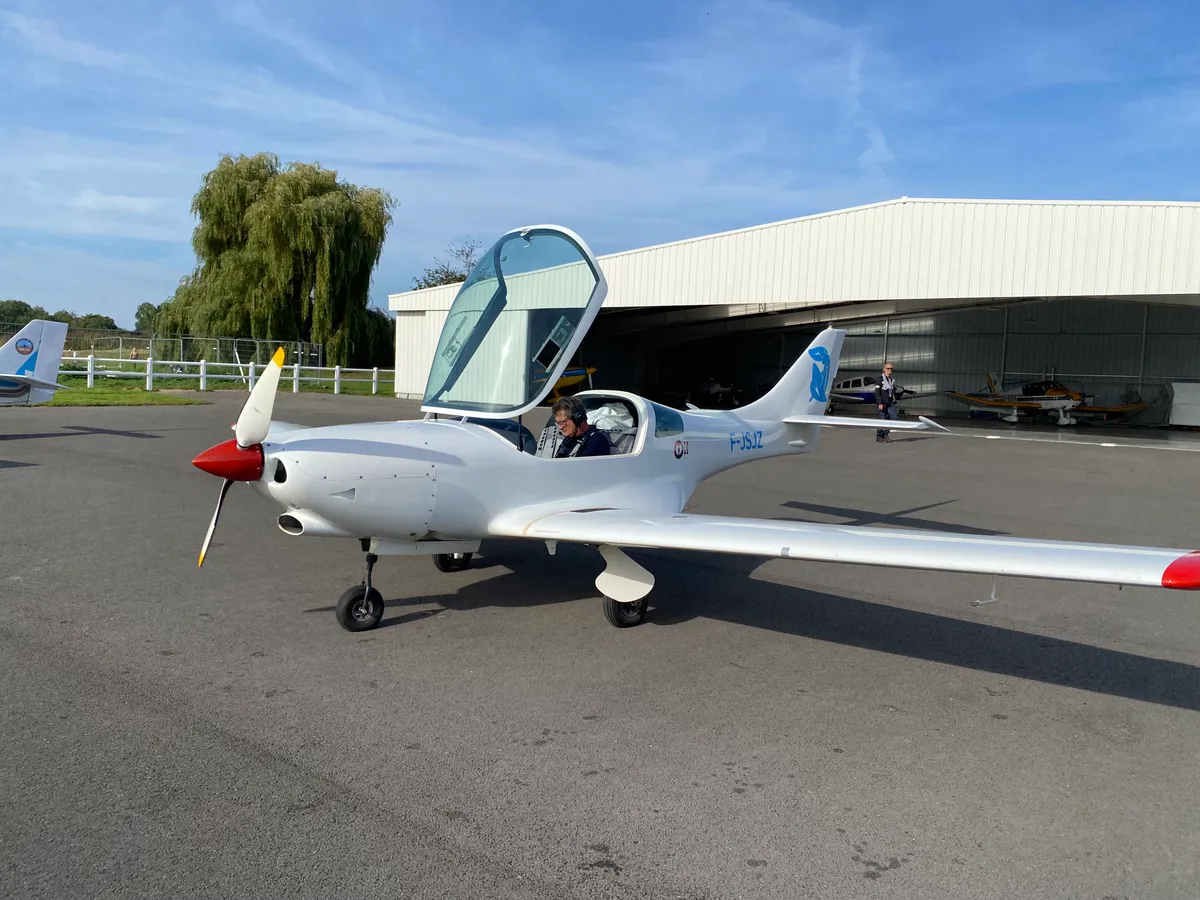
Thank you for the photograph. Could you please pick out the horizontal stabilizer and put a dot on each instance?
(30, 381)
(923, 424)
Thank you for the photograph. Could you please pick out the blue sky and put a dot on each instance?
(631, 122)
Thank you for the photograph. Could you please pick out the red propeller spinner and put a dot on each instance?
(228, 460)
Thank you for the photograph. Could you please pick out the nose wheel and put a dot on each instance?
(361, 607)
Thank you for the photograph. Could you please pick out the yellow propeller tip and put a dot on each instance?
(199, 564)
(278, 357)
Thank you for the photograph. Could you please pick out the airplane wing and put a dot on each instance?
(994, 402)
(895, 547)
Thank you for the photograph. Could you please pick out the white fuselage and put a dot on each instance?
(443, 479)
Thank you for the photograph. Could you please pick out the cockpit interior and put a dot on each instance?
(615, 417)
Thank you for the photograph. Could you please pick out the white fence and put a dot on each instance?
(203, 371)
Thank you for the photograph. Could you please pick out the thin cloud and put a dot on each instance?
(340, 67)
(95, 201)
(42, 38)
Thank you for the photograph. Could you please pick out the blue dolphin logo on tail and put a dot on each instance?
(820, 374)
(804, 388)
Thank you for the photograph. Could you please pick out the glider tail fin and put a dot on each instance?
(36, 350)
(804, 388)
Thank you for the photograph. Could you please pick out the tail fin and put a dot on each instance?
(36, 350)
(35, 354)
(804, 388)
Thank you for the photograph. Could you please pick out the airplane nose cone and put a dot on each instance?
(228, 460)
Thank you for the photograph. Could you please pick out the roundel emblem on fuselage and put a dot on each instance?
(24, 346)
(679, 449)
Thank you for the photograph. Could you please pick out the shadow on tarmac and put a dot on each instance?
(695, 585)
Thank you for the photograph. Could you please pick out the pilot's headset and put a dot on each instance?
(578, 411)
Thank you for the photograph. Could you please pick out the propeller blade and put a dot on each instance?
(212, 526)
(255, 419)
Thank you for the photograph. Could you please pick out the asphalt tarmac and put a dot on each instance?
(774, 730)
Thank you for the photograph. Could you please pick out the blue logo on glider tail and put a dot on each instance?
(820, 374)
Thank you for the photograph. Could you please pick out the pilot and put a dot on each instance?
(887, 396)
(581, 438)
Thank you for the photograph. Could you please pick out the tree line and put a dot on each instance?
(18, 312)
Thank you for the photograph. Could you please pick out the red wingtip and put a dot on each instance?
(228, 460)
(1184, 573)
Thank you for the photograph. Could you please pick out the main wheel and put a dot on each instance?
(452, 562)
(625, 615)
(358, 610)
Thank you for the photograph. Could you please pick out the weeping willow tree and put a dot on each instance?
(285, 254)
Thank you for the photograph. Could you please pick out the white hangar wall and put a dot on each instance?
(417, 333)
(930, 249)
(895, 257)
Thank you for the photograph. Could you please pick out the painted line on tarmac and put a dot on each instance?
(1176, 446)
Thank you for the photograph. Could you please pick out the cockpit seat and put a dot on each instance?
(622, 441)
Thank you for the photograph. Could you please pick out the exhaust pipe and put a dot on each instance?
(299, 521)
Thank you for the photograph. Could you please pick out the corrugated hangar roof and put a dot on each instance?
(935, 249)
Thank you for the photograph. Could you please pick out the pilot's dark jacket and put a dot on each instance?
(887, 392)
(592, 443)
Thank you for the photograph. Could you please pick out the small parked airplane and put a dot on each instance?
(440, 486)
(1030, 399)
(29, 363)
(861, 389)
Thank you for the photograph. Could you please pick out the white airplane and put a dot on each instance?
(440, 486)
(861, 389)
(29, 363)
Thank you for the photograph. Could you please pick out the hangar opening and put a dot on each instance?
(1123, 354)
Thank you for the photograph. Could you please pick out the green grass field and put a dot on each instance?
(115, 393)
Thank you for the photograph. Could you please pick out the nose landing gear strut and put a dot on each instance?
(361, 607)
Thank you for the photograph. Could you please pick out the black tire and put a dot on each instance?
(447, 562)
(357, 610)
(625, 615)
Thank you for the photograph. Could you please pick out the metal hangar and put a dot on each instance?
(1103, 296)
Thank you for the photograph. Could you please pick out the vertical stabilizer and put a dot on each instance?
(36, 350)
(34, 355)
(804, 388)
